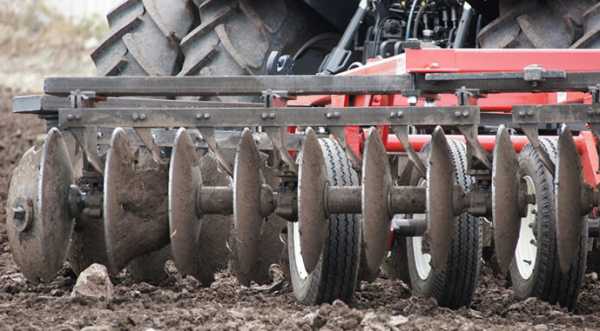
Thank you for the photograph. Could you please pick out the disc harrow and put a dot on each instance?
(154, 191)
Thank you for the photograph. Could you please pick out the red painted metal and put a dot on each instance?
(471, 61)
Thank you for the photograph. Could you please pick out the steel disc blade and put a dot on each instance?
(376, 183)
(312, 181)
(39, 223)
(185, 222)
(440, 213)
(505, 199)
(569, 215)
(135, 203)
(247, 219)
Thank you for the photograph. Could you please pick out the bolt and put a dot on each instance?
(199, 116)
(21, 218)
(19, 213)
(264, 116)
(530, 112)
(135, 116)
(522, 113)
(78, 117)
(272, 116)
(466, 114)
(400, 114)
(329, 116)
(143, 117)
(457, 114)
(392, 115)
(207, 116)
(70, 117)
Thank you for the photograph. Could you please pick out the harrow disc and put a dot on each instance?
(505, 199)
(39, 223)
(569, 215)
(377, 181)
(135, 203)
(185, 220)
(312, 181)
(247, 218)
(440, 211)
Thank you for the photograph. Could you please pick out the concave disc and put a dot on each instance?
(247, 219)
(505, 199)
(39, 223)
(312, 181)
(376, 183)
(185, 220)
(568, 185)
(135, 203)
(440, 213)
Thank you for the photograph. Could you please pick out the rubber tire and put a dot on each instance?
(336, 274)
(455, 286)
(207, 37)
(544, 24)
(547, 282)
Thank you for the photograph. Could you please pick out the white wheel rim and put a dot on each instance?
(422, 260)
(526, 252)
(299, 262)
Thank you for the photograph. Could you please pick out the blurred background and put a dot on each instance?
(40, 38)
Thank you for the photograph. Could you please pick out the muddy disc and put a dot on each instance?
(505, 199)
(569, 215)
(135, 203)
(312, 181)
(247, 220)
(377, 181)
(39, 223)
(185, 183)
(440, 213)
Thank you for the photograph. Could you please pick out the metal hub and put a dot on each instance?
(526, 250)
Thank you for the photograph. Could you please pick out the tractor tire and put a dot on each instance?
(544, 24)
(535, 270)
(336, 274)
(455, 286)
(207, 38)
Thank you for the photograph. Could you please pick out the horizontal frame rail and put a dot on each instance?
(266, 117)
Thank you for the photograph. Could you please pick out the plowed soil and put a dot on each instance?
(183, 304)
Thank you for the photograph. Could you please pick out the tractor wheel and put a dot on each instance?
(207, 38)
(455, 286)
(535, 270)
(545, 24)
(335, 276)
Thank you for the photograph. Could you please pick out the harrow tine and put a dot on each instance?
(247, 210)
(505, 199)
(377, 183)
(440, 210)
(185, 220)
(208, 134)
(402, 133)
(568, 185)
(135, 203)
(39, 221)
(312, 181)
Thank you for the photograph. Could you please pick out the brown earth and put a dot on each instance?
(183, 304)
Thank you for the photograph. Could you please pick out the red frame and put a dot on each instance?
(469, 61)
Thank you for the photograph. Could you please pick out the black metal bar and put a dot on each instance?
(272, 117)
(43, 104)
(231, 85)
(567, 114)
(316, 85)
(489, 83)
